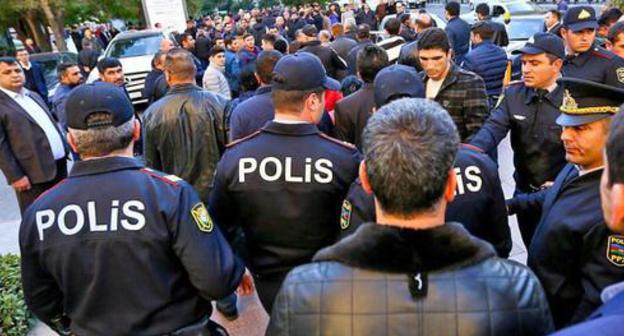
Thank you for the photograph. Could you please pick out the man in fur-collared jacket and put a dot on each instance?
(411, 273)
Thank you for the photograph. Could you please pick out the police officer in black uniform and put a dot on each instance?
(585, 59)
(528, 109)
(116, 248)
(573, 252)
(479, 202)
(284, 184)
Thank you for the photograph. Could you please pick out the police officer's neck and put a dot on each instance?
(127, 152)
(417, 221)
(291, 117)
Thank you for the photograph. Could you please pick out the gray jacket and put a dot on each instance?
(384, 280)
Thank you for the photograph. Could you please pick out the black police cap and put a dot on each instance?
(543, 43)
(585, 101)
(301, 71)
(579, 18)
(397, 80)
(97, 97)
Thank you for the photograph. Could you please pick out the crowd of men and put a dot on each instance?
(353, 185)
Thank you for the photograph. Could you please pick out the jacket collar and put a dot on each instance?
(451, 77)
(555, 96)
(104, 165)
(290, 129)
(311, 44)
(487, 42)
(182, 88)
(263, 90)
(397, 250)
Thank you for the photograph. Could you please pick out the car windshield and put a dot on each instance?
(523, 29)
(523, 8)
(138, 46)
(49, 63)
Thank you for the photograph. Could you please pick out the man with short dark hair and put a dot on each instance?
(573, 252)
(35, 80)
(268, 42)
(155, 83)
(486, 59)
(499, 32)
(214, 79)
(284, 184)
(584, 58)
(185, 131)
(352, 112)
(32, 149)
(232, 64)
(411, 264)
(616, 39)
(250, 115)
(69, 76)
(249, 51)
(187, 42)
(461, 92)
(552, 22)
(392, 45)
(458, 32)
(87, 58)
(119, 249)
(334, 65)
(363, 39)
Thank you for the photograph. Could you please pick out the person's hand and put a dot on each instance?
(22, 184)
(246, 286)
(547, 185)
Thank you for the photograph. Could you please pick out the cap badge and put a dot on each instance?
(568, 102)
(584, 14)
(531, 40)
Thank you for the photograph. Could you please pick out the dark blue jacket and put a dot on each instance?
(58, 103)
(573, 252)
(458, 32)
(232, 70)
(125, 250)
(250, 115)
(479, 202)
(598, 65)
(35, 81)
(246, 57)
(605, 321)
(490, 62)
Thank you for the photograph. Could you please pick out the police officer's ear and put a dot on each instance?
(364, 178)
(617, 202)
(451, 184)
(71, 142)
(136, 131)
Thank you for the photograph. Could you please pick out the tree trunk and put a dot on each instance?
(53, 20)
(37, 33)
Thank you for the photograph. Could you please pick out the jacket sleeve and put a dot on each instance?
(221, 205)
(527, 202)
(339, 63)
(8, 163)
(499, 224)
(203, 251)
(150, 148)
(475, 106)
(279, 323)
(344, 127)
(494, 129)
(221, 118)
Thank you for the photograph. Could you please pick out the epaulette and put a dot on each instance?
(236, 142)
(470, 147)
(167, 178)
(51, 188)
(602, 53)
(516, 82)
(336, 141)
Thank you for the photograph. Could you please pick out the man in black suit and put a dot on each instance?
(352, 112)
(32, 148)
(35, 81)
(552, 22)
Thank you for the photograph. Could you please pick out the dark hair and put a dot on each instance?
(409, 149)
(350, 84)
(292, 100)
(483, 9)
(270, 38)
(246, 35)
(404, 17)
(19, 51)
(363, 31)
(107, 63)
(433, 38)
(216, 50)
(555, 13)
(615, 148)
(62, 68)
(393, 26)
(369, 61)
(179, 63)
(265, 62)
(248, 80)
(452, 8)
(281, 45)
(483, 29)
(615, 31)
(156, 59)
(8, 60)
(183, 37)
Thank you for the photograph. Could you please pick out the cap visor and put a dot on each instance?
(567, 120)
(331, 84)
(529, 50)
(576, 27)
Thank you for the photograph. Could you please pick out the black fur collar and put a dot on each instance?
(391, 249)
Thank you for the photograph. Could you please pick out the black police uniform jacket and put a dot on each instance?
(384, 280)
(598, 65)
(284, 186)
(479, 202)
(572, 252)
(123, 250)
(535, 136)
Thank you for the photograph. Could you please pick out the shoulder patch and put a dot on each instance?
(202, 218)
(471, 147)
(236, 142)
(169, 179)
(620, 74)
(615, 250)
(345, 215)
(601, 53)
(336, 141)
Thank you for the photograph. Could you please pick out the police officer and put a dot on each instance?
(119, 248)
(284, 183)
(479, 202)
(585, 59)
(573, 252)
(528, 110)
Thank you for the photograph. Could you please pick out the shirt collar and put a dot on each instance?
(104, 165)
(13, 94)
(280, 127)
(585, 172)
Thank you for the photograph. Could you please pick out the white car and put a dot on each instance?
(505, 9)
(135, 51)
(380, 33)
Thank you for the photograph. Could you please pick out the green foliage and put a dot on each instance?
(618, 3)
(15, 319)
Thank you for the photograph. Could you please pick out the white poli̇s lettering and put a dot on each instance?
(44, 220)
(132, 209)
